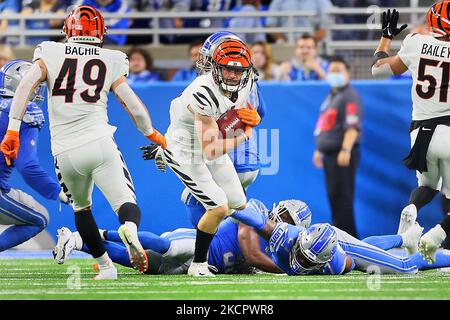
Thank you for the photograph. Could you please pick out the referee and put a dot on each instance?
(337, 136)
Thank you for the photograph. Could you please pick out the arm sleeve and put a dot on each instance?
(261, 103)
(27, 163)
(337, 263)
(254, 215)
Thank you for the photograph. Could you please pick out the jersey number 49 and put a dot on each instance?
(68, 73)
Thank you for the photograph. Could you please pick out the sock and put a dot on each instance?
(104, 261)
(132, 226)
(16, 235)
(385, 242)
(445, 224)
(202, 242)
(102, 233)
(421, 196)
(148, 240)
(129, 212)
(78, 241)
(88, 230)
(442, 261)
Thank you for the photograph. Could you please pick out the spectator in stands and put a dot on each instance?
(191, 73)
(43, 6)
(141, 67)
(316, 23)
(263, 61)
(8, 7)
(172, 6)
(247, 22)
(111, 6)
(213, 6)
(337, 141)
(306, 65)
(6, 54)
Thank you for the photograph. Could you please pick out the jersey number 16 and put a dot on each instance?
(68, 72)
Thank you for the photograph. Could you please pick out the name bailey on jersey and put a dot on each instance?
(82, 51)
(436, 51)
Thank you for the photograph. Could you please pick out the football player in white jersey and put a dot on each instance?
(79, 76)
(428, 59)
(196, 152)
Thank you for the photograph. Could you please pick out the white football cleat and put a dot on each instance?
(64, 246)
(411, 238)
(430, 242)
(137, 254)
(407, 218)
(200, 269)
(108, 273)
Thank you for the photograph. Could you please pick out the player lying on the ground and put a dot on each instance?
(26, 216)
(427, 59)
(235, 248)
(173, 251)
(294, 249)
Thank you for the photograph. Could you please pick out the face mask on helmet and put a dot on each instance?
(204, 63)
(232, 65)
(294, 210)
(10, 76)
(315, 246)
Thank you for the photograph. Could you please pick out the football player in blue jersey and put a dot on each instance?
(291, 250)
(236, 248)
(25, 215)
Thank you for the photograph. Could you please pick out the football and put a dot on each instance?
(229, 124)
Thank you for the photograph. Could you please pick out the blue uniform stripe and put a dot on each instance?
(28, 212)
(379, 257)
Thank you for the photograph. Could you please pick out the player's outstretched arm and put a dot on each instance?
(383, 65)
(249, 243)
(137, 111)
(33, 77)
(208, 134)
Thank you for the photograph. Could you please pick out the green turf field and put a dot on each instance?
(43, 279)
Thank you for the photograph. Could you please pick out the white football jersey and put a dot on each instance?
(79, 78)
(428, 59)
(202, 96)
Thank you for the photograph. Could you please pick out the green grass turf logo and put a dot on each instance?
(74, 280)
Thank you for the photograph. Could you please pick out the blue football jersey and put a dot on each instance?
(34, 116)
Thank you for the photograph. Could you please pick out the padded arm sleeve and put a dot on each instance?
(20, 101)
(135, 108)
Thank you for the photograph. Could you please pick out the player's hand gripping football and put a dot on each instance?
(10, 145)
(154, 152)
(249, 116)
(158, 138)
(389, 24)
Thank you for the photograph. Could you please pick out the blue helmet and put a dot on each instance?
(204, 63)
(315, 246)
(297, 210)
(11, 74)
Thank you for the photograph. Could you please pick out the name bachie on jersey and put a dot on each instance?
(79, 78)
(428, 59)
(202, 96)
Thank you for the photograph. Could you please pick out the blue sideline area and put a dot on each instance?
(383, 183)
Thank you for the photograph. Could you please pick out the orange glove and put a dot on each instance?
(249, 116)
(10, 145)
(158, 138)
